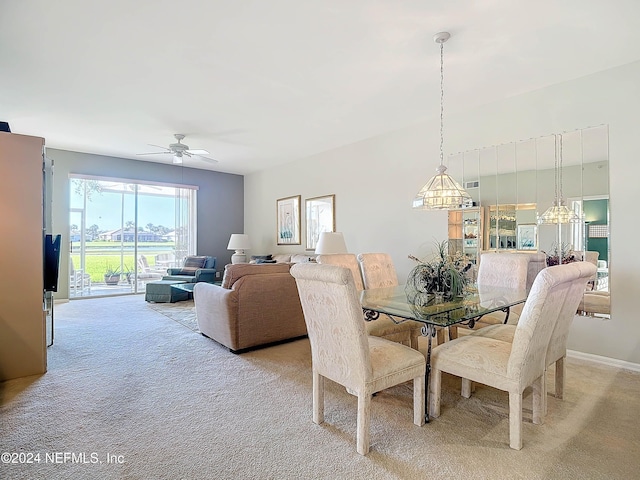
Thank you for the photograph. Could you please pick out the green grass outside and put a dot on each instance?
(97, 265)
(100, 256)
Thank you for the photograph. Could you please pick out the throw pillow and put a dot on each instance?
(261, 257)
(194, 262)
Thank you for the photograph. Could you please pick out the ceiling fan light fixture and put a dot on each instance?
(441, 192)
(179, 150)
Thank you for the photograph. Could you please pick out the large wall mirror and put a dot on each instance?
(513, 184)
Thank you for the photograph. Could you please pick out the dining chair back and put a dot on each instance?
(511, 366)
(405, 332)
(507, 270)
(342, 351)
(347, 260)
(378, 271)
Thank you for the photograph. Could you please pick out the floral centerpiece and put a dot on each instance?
(444, 275)
(562, 254)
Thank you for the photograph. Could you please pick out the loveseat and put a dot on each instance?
(256, 305)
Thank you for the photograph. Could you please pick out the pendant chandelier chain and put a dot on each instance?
(441, 103)
(560, 198)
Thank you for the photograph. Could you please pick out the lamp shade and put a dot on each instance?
(442, 193)
(331, 242)
(558, 214)
(239, 241)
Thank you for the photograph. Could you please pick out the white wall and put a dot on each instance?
(375, 180)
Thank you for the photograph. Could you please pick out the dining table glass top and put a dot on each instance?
(400, 301)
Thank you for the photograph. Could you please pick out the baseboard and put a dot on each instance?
(612, 362)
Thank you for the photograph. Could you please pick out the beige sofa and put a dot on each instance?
(257, 305)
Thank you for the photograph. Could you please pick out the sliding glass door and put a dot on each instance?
(124, 234)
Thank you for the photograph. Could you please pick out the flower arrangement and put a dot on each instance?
(444, 275)
(556, 255)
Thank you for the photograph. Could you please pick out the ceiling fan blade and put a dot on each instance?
(153, 153)
(198, 152)
(208, 159)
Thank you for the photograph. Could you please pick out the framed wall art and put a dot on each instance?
(288, 220)
(527, 236)
(320, 217)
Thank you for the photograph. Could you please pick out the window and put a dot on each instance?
(126, 233)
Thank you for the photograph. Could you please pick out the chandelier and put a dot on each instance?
(558, 213)
(441, 192)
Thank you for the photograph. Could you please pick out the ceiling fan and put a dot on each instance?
(180, 150)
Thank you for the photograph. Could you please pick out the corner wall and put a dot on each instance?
(376, 179)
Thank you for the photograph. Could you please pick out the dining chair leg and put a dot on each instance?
(539, 400)
(434, 393)
(515, 420)
(318, 398)
(560, 374)
(363, 420)
(466, 388)
(414, 341)
(418, 400)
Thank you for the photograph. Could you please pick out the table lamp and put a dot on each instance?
(239, 242)
(331, 242)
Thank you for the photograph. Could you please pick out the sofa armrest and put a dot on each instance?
(174, 271)
(217, 313)
(206, 275)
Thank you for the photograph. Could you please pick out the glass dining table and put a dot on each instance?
(402, 303)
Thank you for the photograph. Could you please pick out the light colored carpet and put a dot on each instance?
(125, 380)
(182, 312)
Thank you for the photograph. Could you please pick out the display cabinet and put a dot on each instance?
(506, 223)
(465, 232)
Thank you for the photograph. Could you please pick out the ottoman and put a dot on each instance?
(161, 291)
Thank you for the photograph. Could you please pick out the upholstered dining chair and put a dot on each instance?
(507, 270)
(342, 351)
(378, 271)
(557, 349)
(383, 327)
(510, 366)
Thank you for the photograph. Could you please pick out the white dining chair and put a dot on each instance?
(342, 351)
(557, 348)
(510, 366)
(378, 271)
(507, 270)
(383, 327)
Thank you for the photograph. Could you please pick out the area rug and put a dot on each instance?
(182, 312)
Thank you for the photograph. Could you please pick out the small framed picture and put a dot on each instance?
(288, 220)
(320, 217)
(527, 236)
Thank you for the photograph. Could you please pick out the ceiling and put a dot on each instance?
(260, 83)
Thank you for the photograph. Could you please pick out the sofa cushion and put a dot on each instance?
(282, 257)
(233, 272)
(302, 258)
